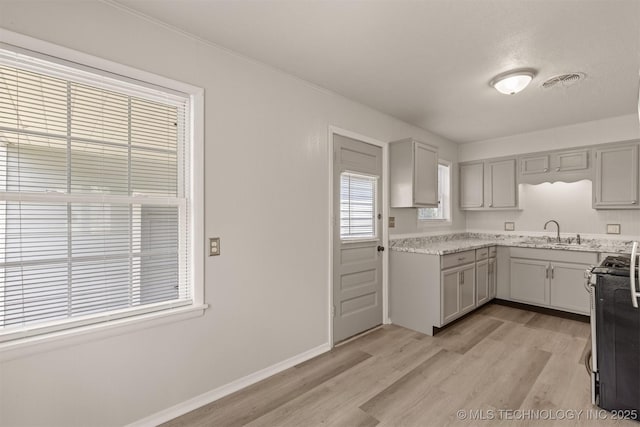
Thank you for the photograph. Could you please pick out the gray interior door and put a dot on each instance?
(357, 256)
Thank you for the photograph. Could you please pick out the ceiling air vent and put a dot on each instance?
(563, 79)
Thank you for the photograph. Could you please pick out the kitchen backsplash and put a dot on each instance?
(567, 203)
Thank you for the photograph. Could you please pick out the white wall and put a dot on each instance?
(265, 145)
(569, 203)
(612, 129)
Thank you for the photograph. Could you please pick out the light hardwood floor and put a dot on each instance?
(509, 366)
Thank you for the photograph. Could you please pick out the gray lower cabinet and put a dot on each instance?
(486, 278)
(458, 292)
(427, 291)
(450, 295)
(529, 281)
(482, 282)
(567, 287)
(493, 278)
(550, 278)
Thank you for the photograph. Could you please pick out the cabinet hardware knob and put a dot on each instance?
(557, 169)
(490, 205)
(546, 169)
(633, 202)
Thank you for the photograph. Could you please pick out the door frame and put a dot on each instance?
(384, 236)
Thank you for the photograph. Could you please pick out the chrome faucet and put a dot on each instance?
(557, 225)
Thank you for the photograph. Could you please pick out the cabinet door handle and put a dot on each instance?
(552, 271)
(557, 169)
(462, 277)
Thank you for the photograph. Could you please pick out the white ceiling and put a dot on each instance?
(429, 62)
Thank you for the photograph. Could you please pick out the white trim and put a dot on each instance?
(198, 248)
(225, 390)
(56, 51)
(384, 237)
(196, 97)
(69, 337)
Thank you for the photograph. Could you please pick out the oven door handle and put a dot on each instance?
(632, 275)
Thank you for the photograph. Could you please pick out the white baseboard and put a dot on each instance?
(225, 390)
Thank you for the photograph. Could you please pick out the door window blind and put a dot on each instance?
(93, 197)
(357, 206)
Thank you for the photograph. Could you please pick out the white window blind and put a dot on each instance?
(93, 197)
(357, 206)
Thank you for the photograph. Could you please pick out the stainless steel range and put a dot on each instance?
(615, 335)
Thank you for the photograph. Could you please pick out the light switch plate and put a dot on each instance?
(392, 222)
(509, 226)
(613, 228)
(214, 246)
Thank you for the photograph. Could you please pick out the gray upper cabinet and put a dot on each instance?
(568, 166)
(414, 174)
(533, 165)
(569, 161)
(472, 185)
(616, 178)
(503, 190)
(489, 184)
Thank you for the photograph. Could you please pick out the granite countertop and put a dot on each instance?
(458, 242)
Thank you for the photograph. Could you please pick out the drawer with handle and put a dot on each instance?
(460, 258)
(482, 254)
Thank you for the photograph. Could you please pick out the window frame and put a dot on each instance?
(70, 58)
(449, 219)
(376, 232)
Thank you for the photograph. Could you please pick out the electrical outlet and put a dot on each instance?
(214, 246)
(509, 226)
(613, 228)
(392, 222)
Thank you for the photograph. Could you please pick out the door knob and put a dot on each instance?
(380, 248)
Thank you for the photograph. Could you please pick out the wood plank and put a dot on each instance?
(251, 403)
(410, 388)
(497, 358)
(326, 405)
(461, 340)
(509, 314)
(555, 324)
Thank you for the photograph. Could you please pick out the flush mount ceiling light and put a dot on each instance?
(512, 82)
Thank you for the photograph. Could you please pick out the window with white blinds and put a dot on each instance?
(94, 197)
(357, 206)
